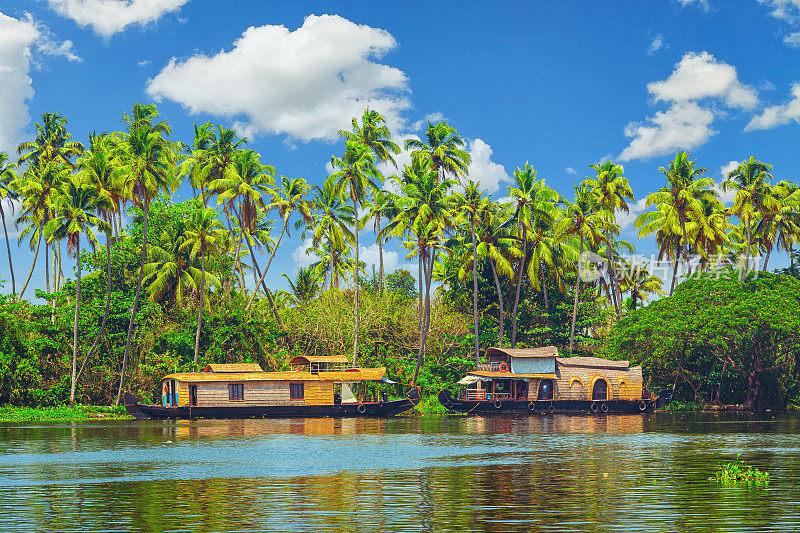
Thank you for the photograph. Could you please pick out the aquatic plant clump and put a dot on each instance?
(739, 472)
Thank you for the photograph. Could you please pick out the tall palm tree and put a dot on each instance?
(7, 192)
(443, 148)
(331, 220)
(636, 279)
(204, 237)
(583, 220)
(305, 286)
(754, 196)
(287, 199)
(380, 207)
(470, 205)
(613, 190)
(145, 161)
(357, 175)
(534, 206)
(52, 143)
(373, 132)
(74, 215)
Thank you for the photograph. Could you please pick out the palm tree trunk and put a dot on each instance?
(575, 306)
(355, 331)
(35, 255)
(747, 252)
(202, 299)
(74, 380)
(685, 243)
(499, 299)
(419, 298)
(105, 312)
(519, 286)
(426, 314)
(615, 293)
(135, 307)
(766, 259)
(544, 291)
(263, 285)
(269, 262)
(475, 291)
(8, 249)
(674, 271)
(46, 264)
(380, 259)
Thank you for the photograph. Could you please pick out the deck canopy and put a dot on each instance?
(350, 375)
(319, 363)
(540, 360)
(232, 367)
(593, 362)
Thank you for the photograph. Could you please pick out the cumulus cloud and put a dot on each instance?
(656, 44)
(16, 39)
(570, 170)
(625, 220)
(307, 83)
(793, 40)
(431, 117)
(778, 115)
(726, 197)
(681, 127)
(686, 124)
(370, 256)
(107, 17)
(787, 10)
(300, 256)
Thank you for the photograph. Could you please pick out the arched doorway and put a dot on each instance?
(545, 389)
(600, 390)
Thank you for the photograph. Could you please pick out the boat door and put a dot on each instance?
(170, 393)
(193, 395)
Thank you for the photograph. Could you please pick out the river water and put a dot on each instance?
(452, 473)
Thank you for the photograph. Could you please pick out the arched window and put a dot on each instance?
(600, 390)
(545, 389)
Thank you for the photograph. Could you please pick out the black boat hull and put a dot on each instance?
(610, 407)
(378, 409)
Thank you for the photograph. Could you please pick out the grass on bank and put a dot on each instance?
(62, 413)
(738, 472)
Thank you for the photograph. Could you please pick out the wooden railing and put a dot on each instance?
(478, 394)
(490, 367)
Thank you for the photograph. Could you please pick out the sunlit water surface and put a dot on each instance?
(537, 473)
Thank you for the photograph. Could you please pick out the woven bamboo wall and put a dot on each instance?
(575, 383)
(319, 393)
(215, 394)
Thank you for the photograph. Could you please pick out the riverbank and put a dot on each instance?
(62, 413)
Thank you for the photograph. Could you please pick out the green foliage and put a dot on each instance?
(735, 472)
(61, 413)
(403, 284)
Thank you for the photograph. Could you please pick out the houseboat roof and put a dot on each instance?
(543, 351)
(306, 359)
(355, 374)
(593, 362)
(232, 367)
(488, 374)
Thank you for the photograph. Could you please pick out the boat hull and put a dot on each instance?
(378, 409)
(610, 407)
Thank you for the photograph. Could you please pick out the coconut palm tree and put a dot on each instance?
(639, 282)
(357, 174)
(380, 207)
(584, 220)
(74, 208)
(145, 161)
(204, 237)
(286, 199)
(331, 235)
(613, 190)
(7, 176)
(534, 206)
(443, 149)
(754, 196)
(373, 132)
(52, 143)
(470, 205)
(304, 287)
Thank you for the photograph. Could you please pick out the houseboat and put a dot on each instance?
(537, 380)
(315, 386)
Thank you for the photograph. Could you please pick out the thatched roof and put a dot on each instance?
(592, 362)
(232, 367)
(356, 374)
(543, 351)
(305, 359)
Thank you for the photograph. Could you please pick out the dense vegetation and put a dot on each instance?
(183, 283)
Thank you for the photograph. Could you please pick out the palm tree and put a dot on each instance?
(613, 190)
(146, 162)
(286, 200)
(373, 133)
(7, 176)
(74, 207)
(583, 220)
(380, 207)
(357, 173)
(52, 143)
(534, 207)
(204, 236)
(754, 196)
(443, 149)
(331, 220)
(470, 205)
(640, 283)
(305, 286)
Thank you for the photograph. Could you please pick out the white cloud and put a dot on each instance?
(482, 169)
(778, 115)
(299, 255)
(625, 220)
(685, 124)
(700, 3)
(699, 76)
(370, 255)
(10, 207)
(16, 39)
(793, 40)
(107, 17)
(143, 63)
(656, 44)
(787, 10)
(726, 197)
(681, 127)
(570, 170)
(307, 83)
(431, 117)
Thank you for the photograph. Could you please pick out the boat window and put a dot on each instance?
(600, 390)
(236, 391)
(296, 391)
(545, 389)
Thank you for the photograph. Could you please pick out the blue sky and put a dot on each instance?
(559, 84)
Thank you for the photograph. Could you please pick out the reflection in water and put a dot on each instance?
(555, 473)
